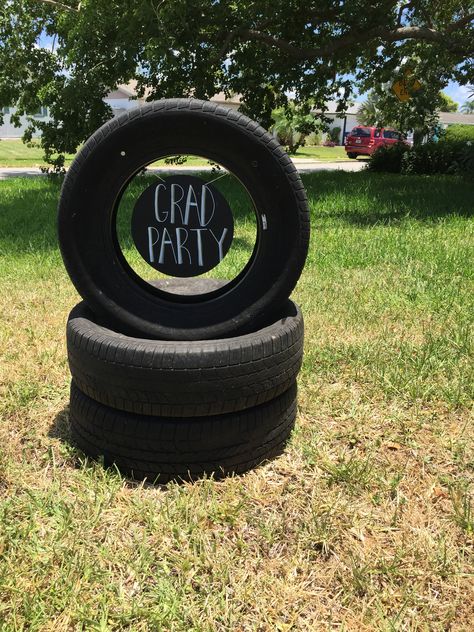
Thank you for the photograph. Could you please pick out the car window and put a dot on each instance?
(361, 131)
(377, 133)
(388, 133)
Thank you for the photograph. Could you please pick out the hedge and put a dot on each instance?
(445, 156)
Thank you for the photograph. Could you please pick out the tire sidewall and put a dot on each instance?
(97, 180)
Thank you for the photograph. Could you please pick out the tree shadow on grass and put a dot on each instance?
(28, 213)
(368, 199)
(28, 206)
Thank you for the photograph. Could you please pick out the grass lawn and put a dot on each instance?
(365, 523)
(13, 153)
(318, 152)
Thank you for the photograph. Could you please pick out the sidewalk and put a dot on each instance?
(302, 164)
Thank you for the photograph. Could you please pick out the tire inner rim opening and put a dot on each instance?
(174, 227)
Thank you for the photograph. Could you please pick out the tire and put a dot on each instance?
(161, 449)
(184, 379)
(352, 155)
(115, 154)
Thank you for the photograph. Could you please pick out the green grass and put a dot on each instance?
(325, 154)
(244, 227)
(365, 523)
(13, 153)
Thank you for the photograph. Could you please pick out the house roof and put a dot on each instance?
(221, 98)
(129, 91)
(331, 108)
(125, 91)
(450, 118)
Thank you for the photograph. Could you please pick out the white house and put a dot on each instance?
(7, 130)
(346, 122)
(123, 98)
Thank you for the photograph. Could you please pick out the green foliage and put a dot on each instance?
(447, 104)
(335, 134)
(292, 124)
(388, 158)
(367, 113)
(262, 50)
(314, 138)
(460, 132)
(467, 107)
(444, 157)
(371, 112)
(382, 109)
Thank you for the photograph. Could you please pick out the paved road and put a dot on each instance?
(303, 166)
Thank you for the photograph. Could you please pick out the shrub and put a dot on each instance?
(459, 132)
(335, 134)
(444, 157)
(314, 138)
(388, 158)
(466, 159)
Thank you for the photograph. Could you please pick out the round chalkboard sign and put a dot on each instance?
(182, 226)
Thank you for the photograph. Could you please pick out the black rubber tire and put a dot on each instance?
(162, 449)
(115, 154)
(184, 379)
(352, 156)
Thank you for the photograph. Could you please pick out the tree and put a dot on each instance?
(335, 135)
(371, 113)
(368, 113)
(292, 124)
(262, 49)
(467, 107)
(419, 115)
(447, 104)
(383, 109)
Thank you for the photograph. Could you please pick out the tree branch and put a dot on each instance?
(350, 39)
(460, 23)
(59, 5)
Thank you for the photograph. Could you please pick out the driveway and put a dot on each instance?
(303, 166)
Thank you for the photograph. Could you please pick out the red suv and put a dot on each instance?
(363, 141)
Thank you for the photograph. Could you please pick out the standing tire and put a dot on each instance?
(184, 379)
(352, 155)
(96, 182)
(161, 449)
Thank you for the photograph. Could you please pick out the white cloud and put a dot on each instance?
(459, 93)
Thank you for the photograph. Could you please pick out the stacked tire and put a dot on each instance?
(164, 388)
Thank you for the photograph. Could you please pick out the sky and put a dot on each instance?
(457, 92)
